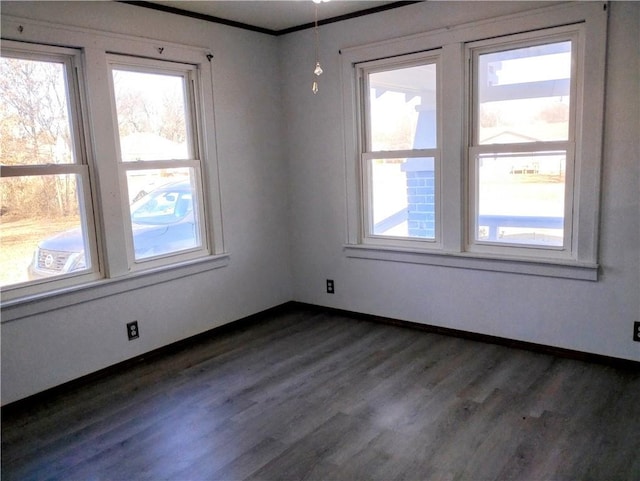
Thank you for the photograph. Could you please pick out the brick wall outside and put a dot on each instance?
(421, 214)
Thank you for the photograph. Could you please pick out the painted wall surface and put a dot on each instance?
(44, 350)
(595, 317)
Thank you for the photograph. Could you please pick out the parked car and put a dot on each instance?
(162, 221)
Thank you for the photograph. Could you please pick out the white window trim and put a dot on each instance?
(368, 154)
(71, 58)
(453, 41)
(189, 73)
(96, 46)
(575, 34)
(77, 294)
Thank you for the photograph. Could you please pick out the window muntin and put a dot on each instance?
(156, 118)
(521, 156)
(401, 156)
(47, 232)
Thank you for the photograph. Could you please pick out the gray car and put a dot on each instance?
(162, 221)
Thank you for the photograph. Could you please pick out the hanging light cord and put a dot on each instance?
(317, 71)
(317, 34)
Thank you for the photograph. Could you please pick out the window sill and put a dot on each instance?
(39, 303)
(466, 260)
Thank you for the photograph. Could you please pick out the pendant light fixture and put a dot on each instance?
(317, 71)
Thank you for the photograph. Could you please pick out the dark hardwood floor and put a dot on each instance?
(310, 394)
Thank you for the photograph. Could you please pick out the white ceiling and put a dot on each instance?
(275, 15)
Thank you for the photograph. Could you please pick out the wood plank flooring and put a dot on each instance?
(310, 395)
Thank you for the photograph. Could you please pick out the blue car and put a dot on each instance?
(162, 221)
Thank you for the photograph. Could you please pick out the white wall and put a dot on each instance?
(44, 350)
(595, 317)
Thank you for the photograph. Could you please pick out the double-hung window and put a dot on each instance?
(159, 158)
(48, 232)
(400, 159)
(522, 143)
(108, 163)
(479, 146)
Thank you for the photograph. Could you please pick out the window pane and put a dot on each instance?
(402, 106)
(521, 198)
(152, 116)
(403, 197)
(164, 211)
(42, 231)
(34, 113)
(524, 94)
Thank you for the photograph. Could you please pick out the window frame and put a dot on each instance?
(189, 74)
(575, 35)
(116, 274)
(455, 250)
(367, 154)
(71, 59)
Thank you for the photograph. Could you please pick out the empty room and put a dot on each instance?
(333, 240)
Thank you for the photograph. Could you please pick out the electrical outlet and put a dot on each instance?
(132, 330)
(330, 286)
(636, 331)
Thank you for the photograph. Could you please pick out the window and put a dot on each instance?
(47, 230)
(522, 151)
(400, 159)
(479, 146)
(159, 157)
(109, 175)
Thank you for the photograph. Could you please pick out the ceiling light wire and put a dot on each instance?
(317, 71)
